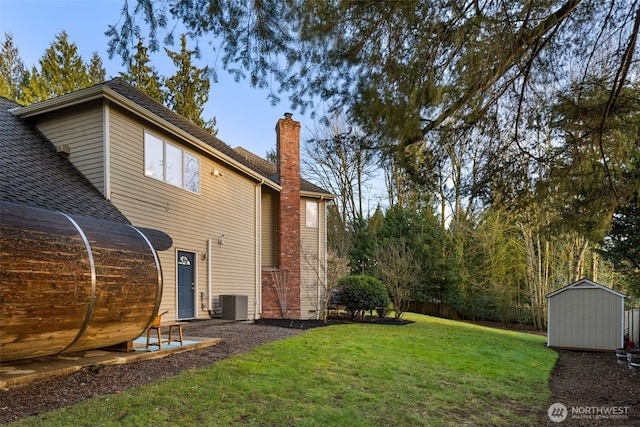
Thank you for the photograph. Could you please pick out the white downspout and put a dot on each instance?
(319, 262)
(209, 284)
(258, 255)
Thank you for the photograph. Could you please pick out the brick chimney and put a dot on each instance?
(288, 152)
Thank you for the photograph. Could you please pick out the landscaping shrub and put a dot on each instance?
(361, 293)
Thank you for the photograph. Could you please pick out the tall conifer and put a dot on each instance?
(12, 70)
(142, 75)
(188, 88)
(62, 71)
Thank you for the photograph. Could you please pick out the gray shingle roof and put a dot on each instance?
(263, 167)
(32, 173)
(270, 170)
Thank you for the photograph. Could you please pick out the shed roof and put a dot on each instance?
(585, 283)
(33, 173)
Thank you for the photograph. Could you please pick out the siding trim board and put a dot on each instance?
(107, 150)
(622, 321)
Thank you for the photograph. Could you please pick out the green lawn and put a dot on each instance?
(433, 372)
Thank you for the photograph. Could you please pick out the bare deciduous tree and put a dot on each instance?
(398, 269)
(339, 158)
(326, 275)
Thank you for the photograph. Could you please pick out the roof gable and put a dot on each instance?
(120, 86)
(585, 283)
(263, 167)
(157, 112)
(32, 173)
(270, 170)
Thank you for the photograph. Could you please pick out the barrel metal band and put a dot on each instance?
(159, 269)
(92, 266)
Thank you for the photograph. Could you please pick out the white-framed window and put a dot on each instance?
(312, 214)
(169, 163)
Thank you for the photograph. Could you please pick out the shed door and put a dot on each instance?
(186, 286)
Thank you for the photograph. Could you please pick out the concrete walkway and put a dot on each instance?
(19, 372)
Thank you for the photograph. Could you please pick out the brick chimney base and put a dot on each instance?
(271, 307)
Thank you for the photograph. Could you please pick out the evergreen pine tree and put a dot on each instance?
(142, 75)
(12, 70)
(188, 88)
(62, 71)
(97, 73)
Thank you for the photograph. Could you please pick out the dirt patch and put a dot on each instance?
(595, 389)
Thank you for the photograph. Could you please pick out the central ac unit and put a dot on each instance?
(234, 307)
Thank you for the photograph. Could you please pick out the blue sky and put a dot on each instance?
(244, 115)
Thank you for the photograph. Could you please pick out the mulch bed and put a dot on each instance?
(309, 324)
(595, 389)
(580, 380)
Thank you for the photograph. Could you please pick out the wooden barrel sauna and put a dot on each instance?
(71, 283)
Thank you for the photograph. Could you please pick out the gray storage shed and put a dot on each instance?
(585, 315)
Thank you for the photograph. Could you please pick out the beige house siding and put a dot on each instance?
(226, 207)
(269, 228)
(585, 318)
(230, 225)
(81, 129)
(312, 261)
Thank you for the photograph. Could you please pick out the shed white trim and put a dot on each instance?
(585, 284)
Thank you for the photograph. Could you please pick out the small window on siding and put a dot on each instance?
(312, 214)
(169, 163)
